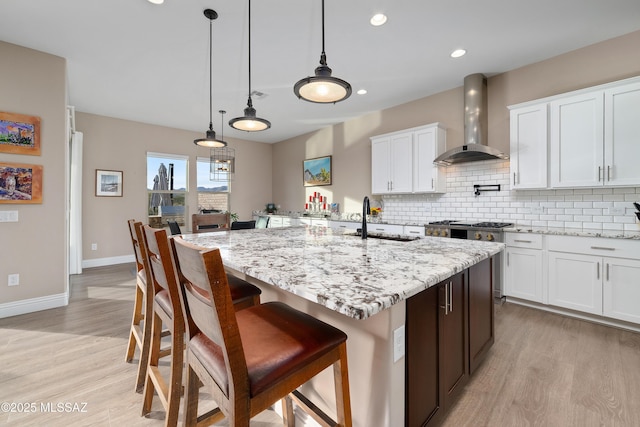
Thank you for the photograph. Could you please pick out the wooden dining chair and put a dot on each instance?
(204, 223)
(140, 330)
(250, 359)
(167, 311)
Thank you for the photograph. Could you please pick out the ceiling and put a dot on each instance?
(138, 61)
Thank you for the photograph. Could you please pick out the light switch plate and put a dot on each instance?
(617, 210)
(8, 216)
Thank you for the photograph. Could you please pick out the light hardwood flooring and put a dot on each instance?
(544, 369)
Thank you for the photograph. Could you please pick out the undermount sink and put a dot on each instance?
(384, 237)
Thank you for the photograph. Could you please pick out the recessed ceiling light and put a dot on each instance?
(378, 19)
(458, 53)
(156, 1)
(361, 92)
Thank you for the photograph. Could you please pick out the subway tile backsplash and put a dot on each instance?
(578, 208)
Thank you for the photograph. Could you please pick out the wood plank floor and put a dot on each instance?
(544, 369)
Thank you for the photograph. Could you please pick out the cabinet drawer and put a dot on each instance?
(523, 240)
(385, 228)
(414, 230)
(616, 248)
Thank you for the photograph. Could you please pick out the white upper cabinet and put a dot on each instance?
(622, 135)
(528, 146)
(428, 143)
(595, 138)
(577, 140)
(402, 162)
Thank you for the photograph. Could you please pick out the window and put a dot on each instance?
(167, 188)
(212, 195)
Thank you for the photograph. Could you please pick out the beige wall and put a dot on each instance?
(34, 83)
(351, 148)
(115, 144)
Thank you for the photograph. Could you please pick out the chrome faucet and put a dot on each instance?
(366, 210)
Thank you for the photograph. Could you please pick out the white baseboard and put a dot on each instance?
(101, 262)
(34, 304)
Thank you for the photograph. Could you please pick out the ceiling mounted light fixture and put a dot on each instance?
(249, 122)
(458, 53)
(378, 19)
(322, 88)
(210, 140)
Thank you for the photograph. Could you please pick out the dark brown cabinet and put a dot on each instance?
(437, 361)
(449, 329)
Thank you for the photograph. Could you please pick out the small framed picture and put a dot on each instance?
(20, 183)
(316, 171)
(19, 134)
(108, 183)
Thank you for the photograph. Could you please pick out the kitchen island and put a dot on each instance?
(359, 286)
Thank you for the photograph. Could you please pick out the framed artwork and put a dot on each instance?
(108, 183)
(316, 171)
(19, 134)
(20, 183)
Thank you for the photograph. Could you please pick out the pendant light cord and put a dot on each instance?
(210, 74)
(249, 101)
(323, 56)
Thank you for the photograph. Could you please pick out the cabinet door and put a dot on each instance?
(401, 148)
(528, 147)
(422, 385)
(577, 141)
(481, 320)
(427, 177)
(380, 166)
(575, 281)
(622, 135)
(523, 274)
(621, 289)
(453, 337)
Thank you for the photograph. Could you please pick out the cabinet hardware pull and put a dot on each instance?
(599, 172)
(514, 178)
(604, 248)
(607, 272)
(450, 297)
(508, 253)
(523, 241)
(608, 173)
(598, 271)
(414, 232)
(432, 186)
(446, 299)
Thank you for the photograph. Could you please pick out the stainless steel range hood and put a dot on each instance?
(475, 127)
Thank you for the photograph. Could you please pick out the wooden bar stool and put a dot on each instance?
(140, 331)
(252, 358)
(167, 311)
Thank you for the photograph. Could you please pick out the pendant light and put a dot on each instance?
(210, 140)
(249, 122)
(223, 159)
(322, 88)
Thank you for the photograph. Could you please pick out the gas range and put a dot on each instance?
(486, 230)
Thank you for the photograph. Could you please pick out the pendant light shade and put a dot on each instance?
(210, 140)
(322, 88)
(249, 122)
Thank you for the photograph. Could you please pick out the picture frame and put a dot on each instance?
(316, 171)
(20, 183)
(19, 134)
(108, 183)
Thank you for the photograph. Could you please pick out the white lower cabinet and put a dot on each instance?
(413, 230)
(599, 276)
(621, 289)
(345, 225)
(385, 228)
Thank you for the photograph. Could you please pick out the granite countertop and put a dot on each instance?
(584, 232)
(342, 272)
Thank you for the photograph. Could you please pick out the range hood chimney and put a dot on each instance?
(475, 146)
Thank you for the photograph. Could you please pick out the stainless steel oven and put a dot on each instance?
(484, 231)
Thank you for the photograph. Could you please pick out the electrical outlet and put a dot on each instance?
(617, 210)
(398, 343)
(537, 210)
(94, 246)
(14, 279)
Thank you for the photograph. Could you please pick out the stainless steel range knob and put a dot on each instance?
(443, 233)
(489, 236)
(478, 236)
(429, 232)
